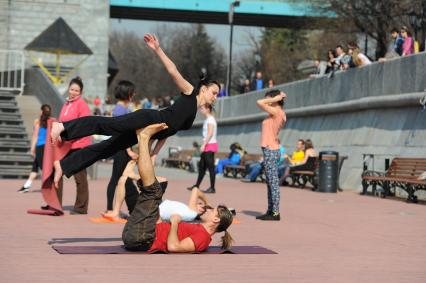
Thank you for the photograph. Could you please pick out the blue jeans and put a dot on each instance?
(255, 169)
(222, 163)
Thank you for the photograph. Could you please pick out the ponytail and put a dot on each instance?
(226, 218)
(226, 241)
(46, 111)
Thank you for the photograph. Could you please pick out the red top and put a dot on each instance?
(73, 110)
(196, 232)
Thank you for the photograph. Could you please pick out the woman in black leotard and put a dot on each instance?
(179, 116)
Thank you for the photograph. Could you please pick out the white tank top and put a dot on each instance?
(170, 207)
(210, 120)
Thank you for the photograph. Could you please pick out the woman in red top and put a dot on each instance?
(76, 107)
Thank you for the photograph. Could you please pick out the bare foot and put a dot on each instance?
(149, 131)
(55, 133)
(129, 171)
(110, 214)
(58, 173)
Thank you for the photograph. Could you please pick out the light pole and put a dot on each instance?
(231, 23)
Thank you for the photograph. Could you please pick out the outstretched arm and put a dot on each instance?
(184, 86)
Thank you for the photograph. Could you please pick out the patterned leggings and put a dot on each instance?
(271, 158)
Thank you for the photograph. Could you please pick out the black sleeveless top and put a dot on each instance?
(179, 116)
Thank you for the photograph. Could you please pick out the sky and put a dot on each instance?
(219, 32)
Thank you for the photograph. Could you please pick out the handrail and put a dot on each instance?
(12, 70)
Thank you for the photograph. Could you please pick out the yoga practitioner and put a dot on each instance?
(38, 141)
(144, 230)
(272, 104)
(179, 116)
(188, 213)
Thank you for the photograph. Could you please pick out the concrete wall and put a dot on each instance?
(372, 109)
(26, 19)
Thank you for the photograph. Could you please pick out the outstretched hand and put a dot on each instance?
(152, 41)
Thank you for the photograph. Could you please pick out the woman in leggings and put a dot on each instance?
(208, 149)
(38, 141)
(179, 116)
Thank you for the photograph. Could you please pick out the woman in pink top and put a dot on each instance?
(76, 107)
(272, 104)
(408, 45)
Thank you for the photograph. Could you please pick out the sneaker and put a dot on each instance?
(23, 190)
(246, 180)
(210, 191)
(268, 212)
(275, 216)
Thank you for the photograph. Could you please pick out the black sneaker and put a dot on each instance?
(275, 216)
(268, 212)
(23, 190)
(210, 191)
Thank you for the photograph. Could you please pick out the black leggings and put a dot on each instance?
(38, 159)
(121, 158)
(121, 128)
(206, 162)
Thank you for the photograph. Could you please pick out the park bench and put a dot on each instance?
(179, 159)
(240, 169)
(403, 173)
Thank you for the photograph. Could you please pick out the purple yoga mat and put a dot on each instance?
(122, 250)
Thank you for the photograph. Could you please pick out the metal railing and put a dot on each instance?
(12, 70)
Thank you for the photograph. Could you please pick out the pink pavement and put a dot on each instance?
(340, 237)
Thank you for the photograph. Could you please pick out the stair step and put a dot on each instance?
(15, 173)
(14, 148)
(8, 104)
(21, 135)
(9, 110)
(10, 115)
(12, 129)
(14, 141)
(12, 122)
(7, 157)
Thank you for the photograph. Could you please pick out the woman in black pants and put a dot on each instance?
(179, 116)
(208, 149)
(123, 92)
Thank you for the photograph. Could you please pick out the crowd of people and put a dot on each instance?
(341, 58)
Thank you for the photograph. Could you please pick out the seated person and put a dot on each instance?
(296, 158)
(234, 157)
(188, 213)
(308, 163)
(195, 159)
(144, 230)
(255, 168)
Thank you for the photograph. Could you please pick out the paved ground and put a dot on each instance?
(323, 238)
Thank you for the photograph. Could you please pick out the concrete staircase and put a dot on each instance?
(15, 160)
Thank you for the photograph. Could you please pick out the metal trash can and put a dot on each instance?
(328, 172)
